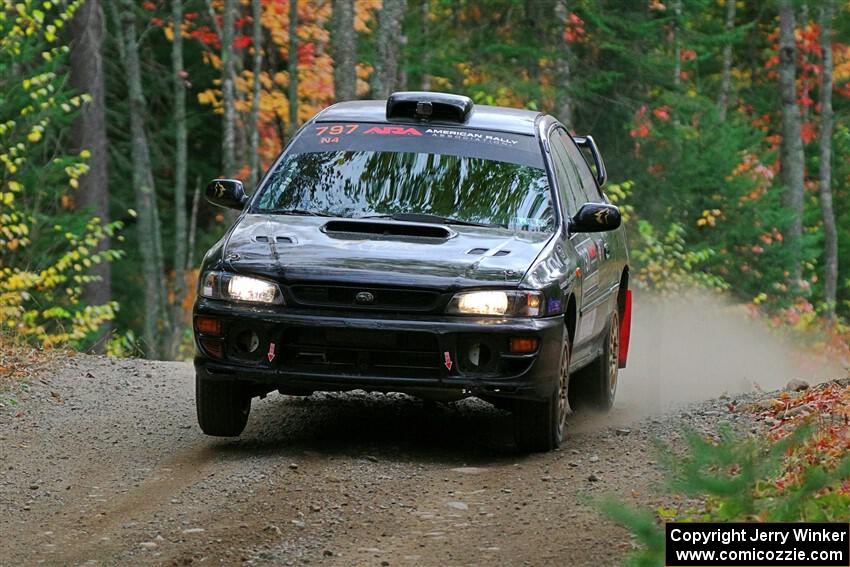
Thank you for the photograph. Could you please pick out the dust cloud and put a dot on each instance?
(692, 347)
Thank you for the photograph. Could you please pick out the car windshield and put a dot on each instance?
(363, 183)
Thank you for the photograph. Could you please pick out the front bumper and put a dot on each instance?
(301, 351)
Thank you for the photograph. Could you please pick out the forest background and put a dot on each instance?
(723, 125)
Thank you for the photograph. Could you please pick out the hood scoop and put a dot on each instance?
(373, 229)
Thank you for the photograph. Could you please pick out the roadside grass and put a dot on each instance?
(795, 468)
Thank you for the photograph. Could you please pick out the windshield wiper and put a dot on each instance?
(299, 212)
(425, 217)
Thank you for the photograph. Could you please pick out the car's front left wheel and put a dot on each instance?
(223, 406)
(541, 425)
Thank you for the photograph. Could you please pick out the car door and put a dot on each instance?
(585, 245)
(607, 245)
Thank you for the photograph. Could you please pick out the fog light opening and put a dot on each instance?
(479, 355)
(247, 341)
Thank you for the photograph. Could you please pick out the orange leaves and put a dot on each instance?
(641, 129)
(574, 31)
(827, 406)
(662, 113)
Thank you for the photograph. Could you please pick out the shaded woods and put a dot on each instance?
(720, 122)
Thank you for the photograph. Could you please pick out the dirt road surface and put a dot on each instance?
(102, 464)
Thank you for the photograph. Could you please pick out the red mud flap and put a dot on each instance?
(626, 329)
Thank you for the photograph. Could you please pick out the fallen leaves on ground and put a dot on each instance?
(827, 407)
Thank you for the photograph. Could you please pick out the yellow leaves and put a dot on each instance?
(14, 186)
(34, 136)
(709, 217)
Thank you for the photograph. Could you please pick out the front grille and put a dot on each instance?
(361, 352)
(394, 299)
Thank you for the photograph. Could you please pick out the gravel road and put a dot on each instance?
(102, 463)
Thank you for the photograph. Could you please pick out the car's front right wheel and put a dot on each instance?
(540, 425)
(223, 406)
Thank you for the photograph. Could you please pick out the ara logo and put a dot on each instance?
(271, 352)
(447, 358)
(398, 130)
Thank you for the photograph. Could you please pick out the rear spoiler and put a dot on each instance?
(587, 143)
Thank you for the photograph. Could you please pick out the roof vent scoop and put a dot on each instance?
(427, 106)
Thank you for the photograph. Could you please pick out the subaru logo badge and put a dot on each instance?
(364, 297)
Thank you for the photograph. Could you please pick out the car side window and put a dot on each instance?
(588, 182)
(568, 185)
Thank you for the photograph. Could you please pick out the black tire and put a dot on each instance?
(223, 406)
(595, 386)
(541, 425)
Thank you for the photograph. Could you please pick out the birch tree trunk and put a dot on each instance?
(830, 233)
(293, 67)
(89, 133)
(143, 185)
(180, 157)
(254, 158)
(344, 50)
(385, 75)
(792, 145)
(228, 79)
(563, 64)
(726, 73)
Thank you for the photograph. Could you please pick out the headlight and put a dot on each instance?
(522, 303)
(233, 287)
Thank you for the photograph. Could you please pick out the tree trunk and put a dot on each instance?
(228, 79)
(293, 67)
(426, 41)
(89, 133)
(677, 44)
(726, 73)
(344, 50)
(254, 158)
(830, 234)
(143, 185)
(564, 99)
(180, 157)
(385, 75)
(792, 145)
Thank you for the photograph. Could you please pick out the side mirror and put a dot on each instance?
(596, 217)
(589, 144)
(226, 193)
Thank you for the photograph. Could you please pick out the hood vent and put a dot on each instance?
(386, 229)
(278, 239)
(481, 251)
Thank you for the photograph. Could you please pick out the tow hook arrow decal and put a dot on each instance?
(271, 352)
(448, 359)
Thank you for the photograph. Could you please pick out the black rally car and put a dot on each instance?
(422, 245)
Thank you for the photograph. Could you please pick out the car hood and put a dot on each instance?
(297, 249)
